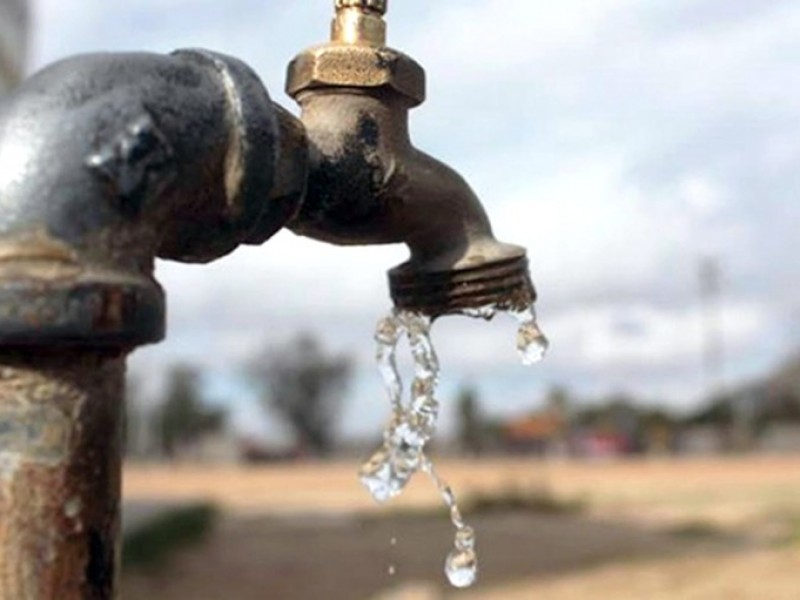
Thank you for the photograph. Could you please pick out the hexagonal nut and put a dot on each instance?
(347, 65)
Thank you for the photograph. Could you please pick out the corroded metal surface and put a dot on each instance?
(357, 57)
(357, 67)
(368, 184)
(109, 160)
(60, 432)
(504, 285)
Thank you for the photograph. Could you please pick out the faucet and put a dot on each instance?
(369, 185)
(108, 161)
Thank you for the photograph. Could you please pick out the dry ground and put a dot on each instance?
(683, 530)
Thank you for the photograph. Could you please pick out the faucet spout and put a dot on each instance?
(368, 184)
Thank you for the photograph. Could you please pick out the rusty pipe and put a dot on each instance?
(60, 434)
(107, 161)
(368, 184)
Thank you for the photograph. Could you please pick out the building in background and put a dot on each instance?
(14, 27)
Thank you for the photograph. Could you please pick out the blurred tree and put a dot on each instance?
(471, 425)
(184, 419)
(779, 394)
(559, 402)
(559, 405)
(718, 412)
(305, 387)
(134, 418)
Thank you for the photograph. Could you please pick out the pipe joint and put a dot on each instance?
(109, 160)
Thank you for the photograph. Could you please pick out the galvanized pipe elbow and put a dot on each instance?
(109, 160)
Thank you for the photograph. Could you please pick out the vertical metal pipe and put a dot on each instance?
(106, 161)
(60, 461)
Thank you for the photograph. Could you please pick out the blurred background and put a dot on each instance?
(646, 155)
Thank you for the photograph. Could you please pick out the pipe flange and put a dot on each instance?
(96, 312)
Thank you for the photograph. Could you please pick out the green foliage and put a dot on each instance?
(150, 545)
(718, 412)
(184, 418)
(471, 425)
(305, 387)
(560, 402)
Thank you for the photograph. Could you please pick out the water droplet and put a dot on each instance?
(393, 541)
(487, 312)
(461, 568)
(412, 426)
(380, 478)
(465, 539)
(388, 331)
(531, 343)
(392, 570)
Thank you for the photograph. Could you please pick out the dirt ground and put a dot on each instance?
(683, 530)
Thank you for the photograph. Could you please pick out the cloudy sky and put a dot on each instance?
(621, 141)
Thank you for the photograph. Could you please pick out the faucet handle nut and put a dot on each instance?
(350, 66)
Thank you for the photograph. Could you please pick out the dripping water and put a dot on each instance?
(413, 424)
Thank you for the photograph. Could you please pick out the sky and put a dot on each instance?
(621, 141)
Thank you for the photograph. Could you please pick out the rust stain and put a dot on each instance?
(40, 433)
(59, 475)
(38, 255)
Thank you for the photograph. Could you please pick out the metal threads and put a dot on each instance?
(378, 6)
(505, 285)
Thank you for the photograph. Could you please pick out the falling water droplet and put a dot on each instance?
(392, 570)
(379, 477)
(465, 538)
(413, 424)
(486, 313)
(532, 344)
(461, 568)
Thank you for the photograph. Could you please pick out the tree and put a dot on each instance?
(184, 418)
(305, 387)
(559, 403)
(134, 419)
(470, 421)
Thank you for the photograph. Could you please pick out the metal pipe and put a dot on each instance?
(107, 161)
(60, 422)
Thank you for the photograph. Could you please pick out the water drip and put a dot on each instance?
(413, 424)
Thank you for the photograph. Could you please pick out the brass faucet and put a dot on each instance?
(369, 185)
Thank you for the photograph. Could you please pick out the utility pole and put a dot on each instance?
(13, 42)
(713, 338)
(742, 407)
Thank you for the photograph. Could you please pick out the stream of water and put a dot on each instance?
(413, 423)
